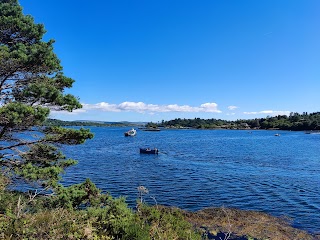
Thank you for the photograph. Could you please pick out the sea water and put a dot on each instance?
(249, 170)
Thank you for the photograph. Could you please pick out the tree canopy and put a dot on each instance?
(32, 83)
(295, 121)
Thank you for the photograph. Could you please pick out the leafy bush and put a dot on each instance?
(167, 223)
(117, 220)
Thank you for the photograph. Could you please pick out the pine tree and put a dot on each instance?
(31, 84)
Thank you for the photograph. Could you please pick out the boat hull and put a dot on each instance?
(149, 151)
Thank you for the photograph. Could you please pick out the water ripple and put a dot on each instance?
(197, 169)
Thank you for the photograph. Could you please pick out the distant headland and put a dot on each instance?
(57, 122)
(294, 122)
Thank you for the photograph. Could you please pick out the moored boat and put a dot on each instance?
(149, 150)
(131, 133)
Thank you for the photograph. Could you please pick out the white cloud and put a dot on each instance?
(269, 112)
(232, 107)
(74, 112)
(209, 107)
(103, 106)
(141, 107)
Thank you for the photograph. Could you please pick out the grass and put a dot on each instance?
(22, 217)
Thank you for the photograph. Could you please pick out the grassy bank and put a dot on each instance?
(84, 213)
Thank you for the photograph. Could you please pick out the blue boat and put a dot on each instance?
(149, 150)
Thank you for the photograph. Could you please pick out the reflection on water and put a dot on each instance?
(202, 168)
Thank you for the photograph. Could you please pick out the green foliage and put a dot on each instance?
(48, 91)
(167, 223)
(79, 196)
(296, 122)
(14, 115)
(4, 181)
(31, 84)
(60, 223)
(151, 125)
(117, 220)
(82, 212)
(67, 135)
(53, 224)
(110, 219)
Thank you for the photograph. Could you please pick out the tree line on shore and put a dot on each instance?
(294, 122)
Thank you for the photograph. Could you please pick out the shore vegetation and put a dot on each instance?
(295, 122)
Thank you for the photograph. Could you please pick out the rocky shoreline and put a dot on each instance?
(219, 223)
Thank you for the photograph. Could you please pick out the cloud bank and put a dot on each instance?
(151, 109)
(141, 107)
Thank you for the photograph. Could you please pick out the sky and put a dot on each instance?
(148, 61)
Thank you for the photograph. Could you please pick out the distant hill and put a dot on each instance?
(91, 121)
(57, 122)
(295, 121)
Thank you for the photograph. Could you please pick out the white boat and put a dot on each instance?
(277, 134)
(131, 133)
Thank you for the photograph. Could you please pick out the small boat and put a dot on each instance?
(149, 150)
(277, 134)
(131, 133)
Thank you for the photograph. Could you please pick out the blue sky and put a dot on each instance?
(160, 60)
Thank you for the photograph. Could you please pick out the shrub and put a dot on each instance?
(167, 223)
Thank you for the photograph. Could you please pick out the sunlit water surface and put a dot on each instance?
(251, 170)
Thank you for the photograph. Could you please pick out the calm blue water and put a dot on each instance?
(203, 168)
